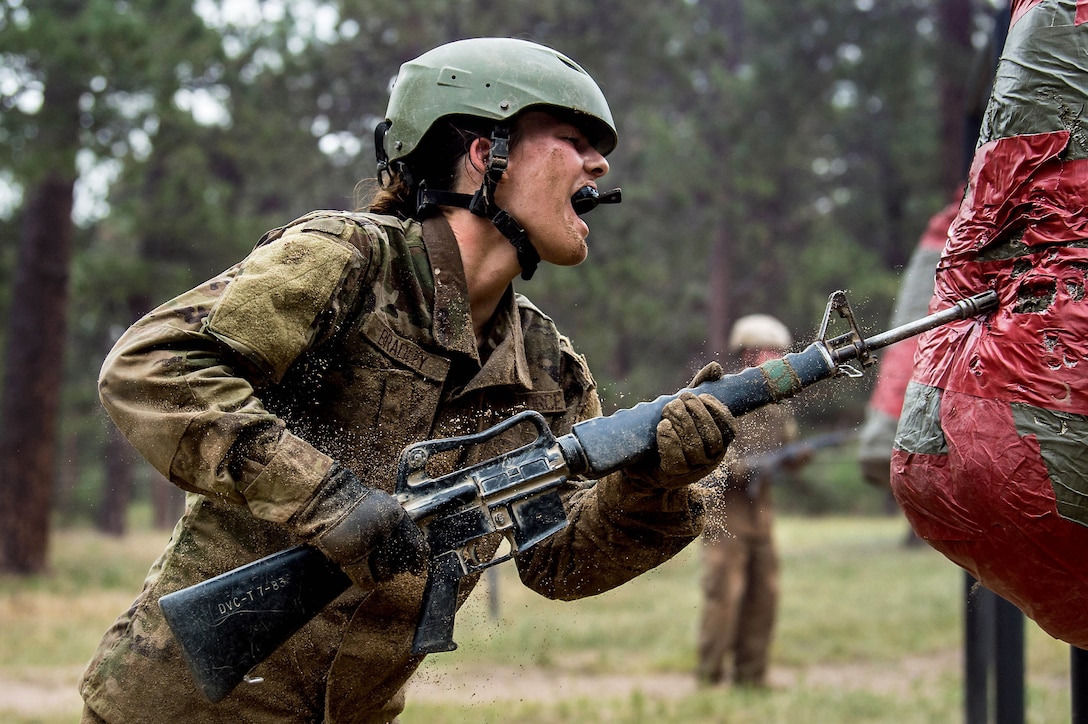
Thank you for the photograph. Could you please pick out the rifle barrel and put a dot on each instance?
(962, 309)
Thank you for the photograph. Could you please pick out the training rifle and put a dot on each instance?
(229, 624)
(761, 467)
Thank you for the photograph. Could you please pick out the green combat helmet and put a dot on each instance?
(494, 79)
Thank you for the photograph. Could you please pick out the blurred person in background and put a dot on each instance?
(876, 437)
(740, 576)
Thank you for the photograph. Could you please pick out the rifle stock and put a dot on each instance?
(230, 623)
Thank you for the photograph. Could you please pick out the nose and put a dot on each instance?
(596, 163)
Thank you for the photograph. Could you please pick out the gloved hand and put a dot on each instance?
(693, 434)
(363, 530)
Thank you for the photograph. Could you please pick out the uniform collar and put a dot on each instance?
(451, 315)
(506, 363)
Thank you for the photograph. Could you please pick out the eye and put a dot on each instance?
(569, 133)
(577, 140)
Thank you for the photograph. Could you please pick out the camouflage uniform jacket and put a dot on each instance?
(341, 337)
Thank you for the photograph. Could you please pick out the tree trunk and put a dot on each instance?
(112, 514)
(34, 371)
(719, 309)
(728, 18)
(34, 355)
(167, 503)
(955, 18)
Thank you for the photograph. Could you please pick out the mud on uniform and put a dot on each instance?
(342, 337)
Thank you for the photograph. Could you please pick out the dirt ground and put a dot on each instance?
(54, 691)
(41, 691)
(547, 685)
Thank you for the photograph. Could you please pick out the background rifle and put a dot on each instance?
(229, 624)
(764, 466)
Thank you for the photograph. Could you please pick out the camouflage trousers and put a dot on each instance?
(740, 601)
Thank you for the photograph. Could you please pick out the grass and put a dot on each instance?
(50, 624)
(869, 631)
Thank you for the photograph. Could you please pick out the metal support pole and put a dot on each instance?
(1008, 662)
(493, 601)
(978, 651)
(1078, 685)
(993, 658)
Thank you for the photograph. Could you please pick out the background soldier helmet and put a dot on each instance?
(759, 331)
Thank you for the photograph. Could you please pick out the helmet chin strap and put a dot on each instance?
(482, 203)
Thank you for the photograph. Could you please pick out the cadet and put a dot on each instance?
(740, 577)
(280, 393)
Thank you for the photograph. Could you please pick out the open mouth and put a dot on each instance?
(588, 198)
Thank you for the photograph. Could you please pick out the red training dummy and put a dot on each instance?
(991, 458)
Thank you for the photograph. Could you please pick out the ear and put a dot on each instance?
(472, 166)
(478, 153)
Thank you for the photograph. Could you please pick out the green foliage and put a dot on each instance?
(804, 140)
(809, 139)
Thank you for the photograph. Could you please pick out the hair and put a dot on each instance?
(435, 161)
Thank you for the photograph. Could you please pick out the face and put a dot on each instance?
(551, 159)
(756, 357)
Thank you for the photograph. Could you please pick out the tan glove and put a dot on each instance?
(692, 437)
(694, 433)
